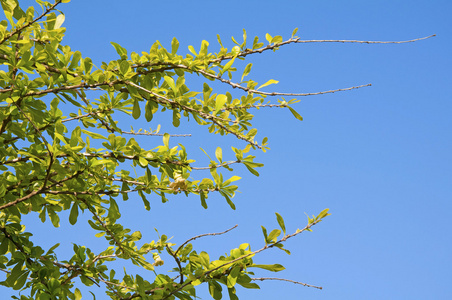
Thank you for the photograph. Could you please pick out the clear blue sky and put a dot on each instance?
(378, 157)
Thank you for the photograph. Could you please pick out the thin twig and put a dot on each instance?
(365, 42)
(173, 254)
(155, 134)
(298, 40)
(201, 235)
(288, 280)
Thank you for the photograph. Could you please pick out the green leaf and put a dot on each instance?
(232, 179)
(246, 71)
(228, 200)
(323, 213)
(227, 66)
(77, 294)
(272, 268)
(143, 161)
(54, 218)
(215, 290)
(232, 277)
(219, 154)
(281, 223)
(174, 46)
(87, 65)
(269, 38)
(295, 114)
(136, 111)
(20, 282)
(294, 32)
(166, 138)
(75, 60)
(176, 118)
(264, 231)
(113, 211)
(120, 50)
(147, 205)
(203, 200)
(170, 82)
(219, 102)
(73, 214)
(94, 135)
(150, 109)
(271, 81)
(277, 39)
(124, 67)
(59, 21)
(192, 50)
(251, 169)
(272, 237)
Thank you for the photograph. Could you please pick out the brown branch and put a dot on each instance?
(288, 280)
(246, 89)
(86, 154)
(66, 88)
(155, 134)
(201, 235)
(365, 42)
(298, 40)
(173, 254)
(216, 166)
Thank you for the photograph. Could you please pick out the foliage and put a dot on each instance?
(49, 164)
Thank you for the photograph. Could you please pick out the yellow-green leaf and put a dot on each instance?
(271, 81)
(295, 114)
(219, 102)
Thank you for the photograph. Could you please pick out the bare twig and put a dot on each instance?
(298, 40)
(365, 42)
(155, 134)
(246, 89)
(201, 235)
(288, 280)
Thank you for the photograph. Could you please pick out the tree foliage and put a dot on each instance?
(62, 149)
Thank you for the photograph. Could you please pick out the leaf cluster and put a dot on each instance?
(62, 149)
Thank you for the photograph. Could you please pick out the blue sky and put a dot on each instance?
(379, 157)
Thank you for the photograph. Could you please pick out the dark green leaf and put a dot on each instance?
(136, 112)
(73, 214)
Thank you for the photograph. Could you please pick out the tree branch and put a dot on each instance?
(201, 235)
(307, 227)
(288, 280)
(298, 40)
